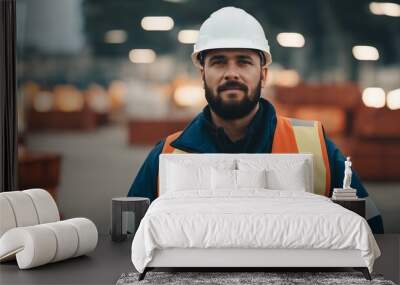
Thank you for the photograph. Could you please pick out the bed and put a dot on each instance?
(247, 211)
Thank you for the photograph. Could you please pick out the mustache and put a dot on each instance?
(232, 85)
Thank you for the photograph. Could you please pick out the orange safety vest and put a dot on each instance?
(291, 136)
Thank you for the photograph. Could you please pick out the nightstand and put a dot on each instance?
(356, 205)
(120, 209)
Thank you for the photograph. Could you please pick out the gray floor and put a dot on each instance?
(387, 199)
(104, 265)
(99, 165)
(110, 259)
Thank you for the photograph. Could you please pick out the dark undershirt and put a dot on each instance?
(243, 145)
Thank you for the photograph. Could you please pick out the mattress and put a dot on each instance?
(250, 219)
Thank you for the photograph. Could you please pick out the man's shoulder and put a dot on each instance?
(298, 121)
(156, 151)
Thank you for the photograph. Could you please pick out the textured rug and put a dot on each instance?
(230, 278)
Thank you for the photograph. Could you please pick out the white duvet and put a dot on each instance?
(252, 218)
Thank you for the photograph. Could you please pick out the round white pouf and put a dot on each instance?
(23, 208)
(67, 240)
(33, 246)
(6, 215)
(87, 232)
(40, 244)
(45, 205)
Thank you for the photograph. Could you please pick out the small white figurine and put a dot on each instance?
(347, 174)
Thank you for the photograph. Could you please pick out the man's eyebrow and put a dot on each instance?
(223, 57)
(217, 57)
(244, 57)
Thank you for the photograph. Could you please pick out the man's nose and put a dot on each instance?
(231, 72)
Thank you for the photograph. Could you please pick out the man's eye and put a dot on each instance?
(217, 62)
(244, 62)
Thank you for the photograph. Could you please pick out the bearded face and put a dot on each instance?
(232, 80)
(232, 109)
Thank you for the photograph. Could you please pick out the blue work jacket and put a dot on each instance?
(202, 136)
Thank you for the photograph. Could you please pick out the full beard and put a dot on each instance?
(232, 110)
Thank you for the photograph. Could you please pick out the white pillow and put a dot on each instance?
(183, 178)
(293, 180)
(235, 179)
(223, 179)
(281, 173)
(251, 178)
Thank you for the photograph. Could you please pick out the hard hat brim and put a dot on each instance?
(229, 44)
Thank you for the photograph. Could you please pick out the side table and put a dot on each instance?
(120, 207)
(355, 205)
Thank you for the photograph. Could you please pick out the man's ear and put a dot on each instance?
(264, 76)
(202, 73)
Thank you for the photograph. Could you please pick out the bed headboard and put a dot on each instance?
(231, 160)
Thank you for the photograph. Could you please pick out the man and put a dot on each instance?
(233, 55)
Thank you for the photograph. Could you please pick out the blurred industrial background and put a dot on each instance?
(100, 82)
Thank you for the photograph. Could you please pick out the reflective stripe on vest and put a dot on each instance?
(301, 136)
(168, 148)
(291, 136)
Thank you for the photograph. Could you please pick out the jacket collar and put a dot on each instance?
(202, 136)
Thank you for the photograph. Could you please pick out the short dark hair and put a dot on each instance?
(202, 57)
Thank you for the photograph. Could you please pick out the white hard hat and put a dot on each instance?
(231, 27)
